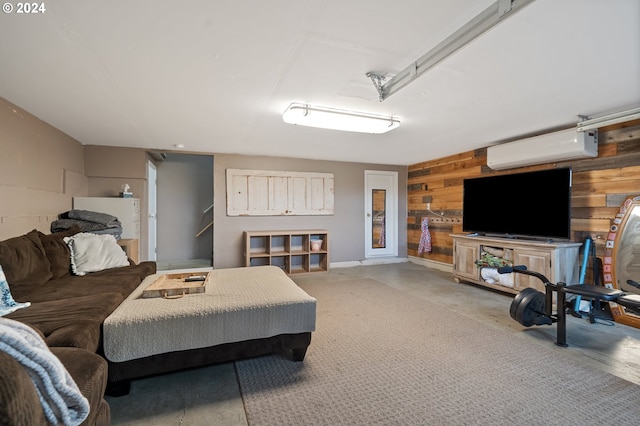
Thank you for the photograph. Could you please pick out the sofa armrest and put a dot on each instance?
(19, 402)
(89, 371)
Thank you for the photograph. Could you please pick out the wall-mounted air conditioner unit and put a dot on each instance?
(557, 146)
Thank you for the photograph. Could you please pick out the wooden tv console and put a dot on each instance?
(558, 261)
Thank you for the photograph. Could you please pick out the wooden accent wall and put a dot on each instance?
(600, 185)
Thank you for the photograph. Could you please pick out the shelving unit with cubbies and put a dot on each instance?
(295, 252)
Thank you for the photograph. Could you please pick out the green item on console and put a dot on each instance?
(488, 260)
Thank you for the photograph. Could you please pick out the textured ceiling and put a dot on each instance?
(216, 76)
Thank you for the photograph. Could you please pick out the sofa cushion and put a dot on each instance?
(92, 253)
(25, 263)
(118, 280)
(58, 251)
(141, 270)
(87, 285)
(75, 322)
(7, 303)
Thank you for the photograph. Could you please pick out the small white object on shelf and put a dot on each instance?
(126, 191)
(316, 245)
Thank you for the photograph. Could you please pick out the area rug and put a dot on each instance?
(380, 357)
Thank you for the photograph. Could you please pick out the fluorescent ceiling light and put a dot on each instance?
(486, 20)
(607, 120)
(338, 119)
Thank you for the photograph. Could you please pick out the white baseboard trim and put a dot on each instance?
(378, 261)
(441, 266)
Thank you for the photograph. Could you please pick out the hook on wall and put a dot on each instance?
(441, 219)
(432, 212)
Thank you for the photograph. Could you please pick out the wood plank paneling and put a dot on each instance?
(278, 193)
(599, 186)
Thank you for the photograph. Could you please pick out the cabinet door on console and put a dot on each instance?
(535, 260)
(466, 254)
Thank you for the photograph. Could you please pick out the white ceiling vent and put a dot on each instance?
(558, 146)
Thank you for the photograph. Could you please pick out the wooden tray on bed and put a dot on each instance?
(173, 286)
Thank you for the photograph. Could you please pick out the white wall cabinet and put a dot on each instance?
(127, 210)
(279, 193)
(557, 261)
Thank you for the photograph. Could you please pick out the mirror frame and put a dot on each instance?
(609, 262)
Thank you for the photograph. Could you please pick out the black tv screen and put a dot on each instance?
(530, 204)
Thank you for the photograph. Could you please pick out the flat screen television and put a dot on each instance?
(533, 205)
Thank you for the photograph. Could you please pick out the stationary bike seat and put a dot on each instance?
(631, 301)
(594, 291)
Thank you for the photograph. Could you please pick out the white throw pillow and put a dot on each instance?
(93, 252)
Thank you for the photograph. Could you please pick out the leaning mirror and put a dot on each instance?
(379, 222)
(622, 257)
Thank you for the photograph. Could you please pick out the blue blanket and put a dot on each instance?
(62, 401)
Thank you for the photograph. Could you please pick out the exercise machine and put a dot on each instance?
(532, 307)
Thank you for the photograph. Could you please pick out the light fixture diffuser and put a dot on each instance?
(338, 119)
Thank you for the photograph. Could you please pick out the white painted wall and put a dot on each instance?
(185, 190)
(346, 230)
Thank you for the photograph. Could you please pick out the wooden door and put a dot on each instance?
(381, 213)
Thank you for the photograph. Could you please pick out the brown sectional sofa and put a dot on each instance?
(68, 312)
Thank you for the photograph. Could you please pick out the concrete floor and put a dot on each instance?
(210, 395)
